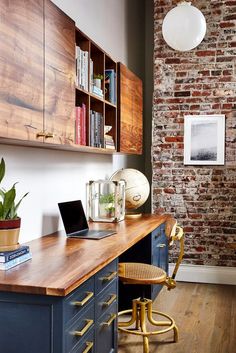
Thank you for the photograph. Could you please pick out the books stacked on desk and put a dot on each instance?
(9, 259)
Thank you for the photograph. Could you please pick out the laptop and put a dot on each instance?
(75, 222)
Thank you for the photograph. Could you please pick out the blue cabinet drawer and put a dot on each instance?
(76, 333)
(106, 331)
(88, 344)
(78, 300)
(106, 298)
(160, 251)
(105, 276)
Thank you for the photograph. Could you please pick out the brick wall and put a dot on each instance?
(202, 81)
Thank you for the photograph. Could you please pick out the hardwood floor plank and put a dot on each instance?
(205, 315)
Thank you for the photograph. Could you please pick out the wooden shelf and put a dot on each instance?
(99, 110)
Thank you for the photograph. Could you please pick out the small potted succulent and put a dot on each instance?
(9, 220)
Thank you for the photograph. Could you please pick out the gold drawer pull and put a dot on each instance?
(110, 321)
(110, 301)
(85, 300)
(110, 277)
(41, 134)
(85, 329)
(89, 346)
(161, 245)
(49, 135)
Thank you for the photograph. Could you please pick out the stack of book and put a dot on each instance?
(82, 69)
(108, 139)
(80, 125)
(110, 85)
(9, 259)
(96, 129)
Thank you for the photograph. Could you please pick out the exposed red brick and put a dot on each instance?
(206, 53)
(201, 81)
(174, 138)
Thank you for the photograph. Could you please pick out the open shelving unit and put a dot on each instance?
(99, 106)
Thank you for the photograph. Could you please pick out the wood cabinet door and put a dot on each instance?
(59, 112)
(21, 68)
(130, 111)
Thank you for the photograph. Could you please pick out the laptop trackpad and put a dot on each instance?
(92, 234)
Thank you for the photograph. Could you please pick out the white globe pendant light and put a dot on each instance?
(184, 27)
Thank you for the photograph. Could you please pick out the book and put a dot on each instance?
(110, 85)
(10, 255)
(15, 262)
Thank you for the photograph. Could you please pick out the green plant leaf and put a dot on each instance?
(8, 202)
(2, 169)
(1, 210)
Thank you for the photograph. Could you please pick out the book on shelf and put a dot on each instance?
(91, 76)
(82, 68)
(98, 91)
(15, 262)
(110, 85)
(10, 255)
(109, 142)
(96, 129)
(80, 125)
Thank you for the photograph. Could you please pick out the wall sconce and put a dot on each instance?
(184, 27)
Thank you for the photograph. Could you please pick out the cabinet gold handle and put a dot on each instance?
(110, 277)
(85, 329)
(109, 322)
(49, 135)
(85, 300)
(89, 346)
(161, 245)
(40, 134)
(110, 301)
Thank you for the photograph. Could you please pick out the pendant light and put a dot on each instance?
(184, 27)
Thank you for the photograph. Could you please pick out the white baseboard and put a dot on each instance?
(205, 274)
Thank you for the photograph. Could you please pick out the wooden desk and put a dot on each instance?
(37, 298)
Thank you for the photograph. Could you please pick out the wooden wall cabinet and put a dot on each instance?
(21, 68)
(37, 72)
(130, 112)
(59, 111)
(40, 93)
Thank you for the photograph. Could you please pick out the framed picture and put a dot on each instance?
(204, 139)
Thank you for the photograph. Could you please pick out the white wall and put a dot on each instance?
(53, 176)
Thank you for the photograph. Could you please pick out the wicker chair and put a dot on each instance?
(139, 273)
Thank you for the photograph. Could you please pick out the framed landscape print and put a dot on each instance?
(204, 139)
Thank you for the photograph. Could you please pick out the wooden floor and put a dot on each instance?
(205, 315)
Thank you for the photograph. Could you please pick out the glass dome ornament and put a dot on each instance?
(184, 27)
(106, 200)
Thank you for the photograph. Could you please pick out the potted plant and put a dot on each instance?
(107, 205)
(9, 220)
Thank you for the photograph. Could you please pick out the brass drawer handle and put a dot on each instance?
(49, 135)
(85, 300)
(89, 346)
(110, 277)
(110, 321)
(85, 329)
(40, 134)
(110, 301)
(161, 245)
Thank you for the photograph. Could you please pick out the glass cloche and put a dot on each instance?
(106, 200)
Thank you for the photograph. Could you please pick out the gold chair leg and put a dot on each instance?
(143, 326)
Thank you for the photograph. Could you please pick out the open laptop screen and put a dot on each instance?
(73, 216)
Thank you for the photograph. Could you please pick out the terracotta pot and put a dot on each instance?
(9, 234)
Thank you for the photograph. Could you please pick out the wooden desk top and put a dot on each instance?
(61, 264)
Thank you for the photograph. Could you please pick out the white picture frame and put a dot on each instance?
(204, 139)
